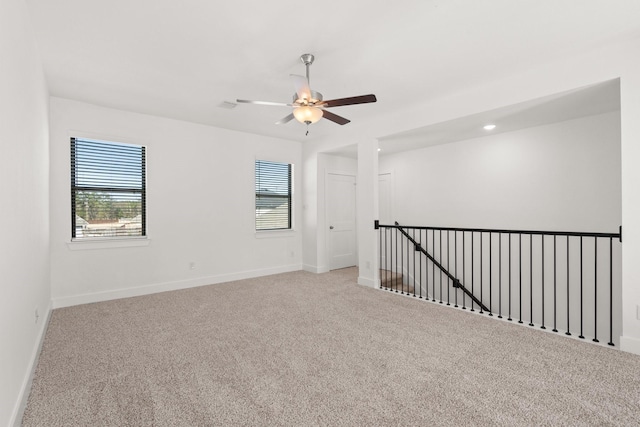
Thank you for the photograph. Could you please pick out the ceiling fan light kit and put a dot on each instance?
(309, 106)
(307, 115)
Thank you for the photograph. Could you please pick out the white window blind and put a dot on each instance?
(108, 189)
(273, 195)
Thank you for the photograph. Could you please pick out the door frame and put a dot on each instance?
(391, 201)
(392, 194)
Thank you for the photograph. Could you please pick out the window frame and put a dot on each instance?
(128, 240)
(262, 232)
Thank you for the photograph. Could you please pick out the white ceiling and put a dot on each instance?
(182, 59)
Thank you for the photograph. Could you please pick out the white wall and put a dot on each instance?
(24, 246)
(200, 207)
(564, 176)
(630, 109)
(310, 212)
(367, 212)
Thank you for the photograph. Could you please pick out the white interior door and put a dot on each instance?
(341, 220)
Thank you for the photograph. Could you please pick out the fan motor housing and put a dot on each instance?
(315, 97)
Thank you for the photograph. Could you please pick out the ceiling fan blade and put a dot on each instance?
(302, 86)
(285, 119)
(276, 104)
(363, 99)
(334, 117)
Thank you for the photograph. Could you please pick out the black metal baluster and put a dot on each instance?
(408, 268)
(455, 259)
(441, 259)
(401, 263)
(581, 270)
(388, 237)
(433, 279)
(481, 251)
(595, 291)
(419, 255)
(530, 279)
(380, 257)
(448, 269)
(568, 320)
(385, 255)
(413, 232)
(520, 266)
(420, 269)
(426, 269)
(509, 318)
(555, 278)
(394, 265)
(388, 250)
(500, 276)
(391, 247)
(611, 292)
(426, 264)
(490, 273)
(473, 249)
(463, 268)
(542, 243)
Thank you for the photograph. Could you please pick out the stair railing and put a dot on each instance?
(554, 279)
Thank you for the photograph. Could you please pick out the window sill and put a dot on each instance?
(107, 244)
(267, 234)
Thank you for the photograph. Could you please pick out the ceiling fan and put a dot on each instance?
(309, 107)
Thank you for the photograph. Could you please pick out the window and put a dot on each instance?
(273, 195)
(107, 189)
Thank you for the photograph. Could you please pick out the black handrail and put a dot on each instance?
(456, 283)
(617, 235)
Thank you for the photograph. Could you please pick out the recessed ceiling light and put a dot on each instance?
(489, 127)
(379, 149)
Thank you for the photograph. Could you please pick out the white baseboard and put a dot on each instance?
(25, 389)
(168, 286)
(315, 269)
(365, 281)
(630, 345)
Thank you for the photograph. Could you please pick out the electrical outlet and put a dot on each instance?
(368, 265)
(37, 315)
(192, 265)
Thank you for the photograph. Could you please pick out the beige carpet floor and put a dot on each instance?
(300, 349)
